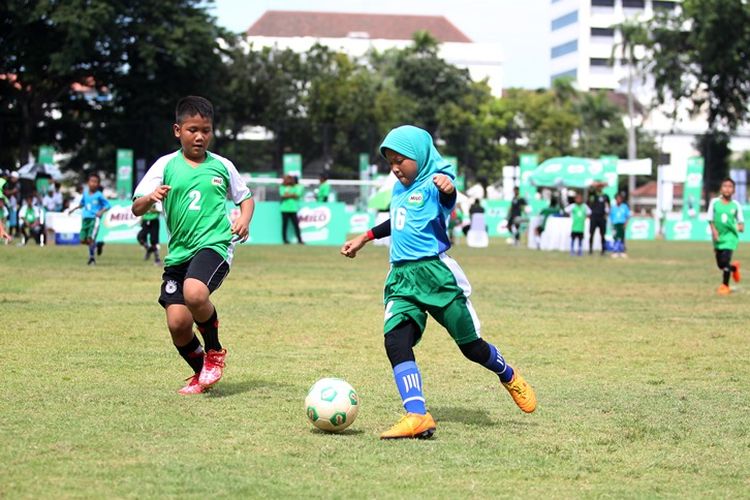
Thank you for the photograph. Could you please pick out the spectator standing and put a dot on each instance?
(619, 215)
(291, 193)
(599, 205)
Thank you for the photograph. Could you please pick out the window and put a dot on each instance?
(562, 21)
(565, 48)
(598, 61)
(633, 4)
(664, 5)
(609, 32)
(665, 159)
(602, 3)
(572, 73)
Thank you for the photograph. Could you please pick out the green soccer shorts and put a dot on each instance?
(89, 229)
(436, 286)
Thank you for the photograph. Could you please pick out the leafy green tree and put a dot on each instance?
(700, 57)
(136, 58)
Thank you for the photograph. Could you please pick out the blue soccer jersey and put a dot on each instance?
(418, 222)
(92, 203)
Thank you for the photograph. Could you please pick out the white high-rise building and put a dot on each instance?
(585, 46)
(583, 38)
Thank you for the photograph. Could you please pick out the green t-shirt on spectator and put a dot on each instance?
(291, 204)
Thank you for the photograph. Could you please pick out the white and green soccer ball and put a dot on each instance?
(332, 404)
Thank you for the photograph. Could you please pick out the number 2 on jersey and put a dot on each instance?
(196, 197)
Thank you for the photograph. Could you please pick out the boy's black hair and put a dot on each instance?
(94, 174)
(193, 105)
(728, 179)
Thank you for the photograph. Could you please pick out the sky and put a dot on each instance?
(521, 27)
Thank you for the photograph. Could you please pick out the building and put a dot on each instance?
(583, 42)
(356, 34)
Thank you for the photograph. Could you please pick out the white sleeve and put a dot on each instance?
(238, 190)
(569, 209)
(740, 215)
(588, 210)
(710, 213)
(153, 177)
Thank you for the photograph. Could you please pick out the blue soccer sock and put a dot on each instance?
(409, 383)
(497, 364)
(92, 248)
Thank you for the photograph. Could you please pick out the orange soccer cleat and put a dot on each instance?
(521, 392)
(736, 276)
(213, 367)
(410, 426)
(724, 290)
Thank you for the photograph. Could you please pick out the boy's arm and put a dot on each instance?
(105, 205)
(241, 226)
(710, 215)
(150, 189)
(354, 245)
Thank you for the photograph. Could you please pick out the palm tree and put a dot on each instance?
(633, 34)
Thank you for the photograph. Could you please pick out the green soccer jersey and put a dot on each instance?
(324, 190)
(291, 204)
(725, 217)
(578, 213)
(195, 208)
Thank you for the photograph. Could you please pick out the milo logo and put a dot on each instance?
(415, 199)
(316, 218)
(120, 216)
(639, 229)
(682, 230)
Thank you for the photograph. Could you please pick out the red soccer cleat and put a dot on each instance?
(736, 273)
(213, 367)
(192, 387)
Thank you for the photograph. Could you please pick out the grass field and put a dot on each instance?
(641, 372)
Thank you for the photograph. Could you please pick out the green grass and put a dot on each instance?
(641, 372)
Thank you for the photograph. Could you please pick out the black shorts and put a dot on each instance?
(576, 235)
(723, 258)
(206, 266)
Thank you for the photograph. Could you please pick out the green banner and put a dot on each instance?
(693, 188)
(640, 228)
(293, 164)
(527, 163)
(124, 184)
(609, 175)
(496, 217)
(687, 230)
(46, 154)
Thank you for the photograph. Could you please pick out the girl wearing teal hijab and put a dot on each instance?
(424, 279)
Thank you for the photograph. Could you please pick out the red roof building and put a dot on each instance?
(276, 23)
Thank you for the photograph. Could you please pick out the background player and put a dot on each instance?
(148, 236)
(93, 205)
(726, 221)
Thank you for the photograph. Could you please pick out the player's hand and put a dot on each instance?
(353, 246)
(5, 236)
(714, 234)
(159, 193)
(443, 183)
(241, 229)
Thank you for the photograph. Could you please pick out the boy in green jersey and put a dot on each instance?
(578, 212)
(726, 221)
(324, 189)
(148, 236)
(291, 193)
(192, 185)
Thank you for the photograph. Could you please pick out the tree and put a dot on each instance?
(700, 57)
(136, 58)
(633, 35)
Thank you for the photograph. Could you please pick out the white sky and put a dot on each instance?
(520, 26)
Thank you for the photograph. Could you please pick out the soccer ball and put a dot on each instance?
(332, 404)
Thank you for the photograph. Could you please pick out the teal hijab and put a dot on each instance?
(416, 144)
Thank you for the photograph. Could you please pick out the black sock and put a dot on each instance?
(192, 353)
(726, 276)
(210, 331)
